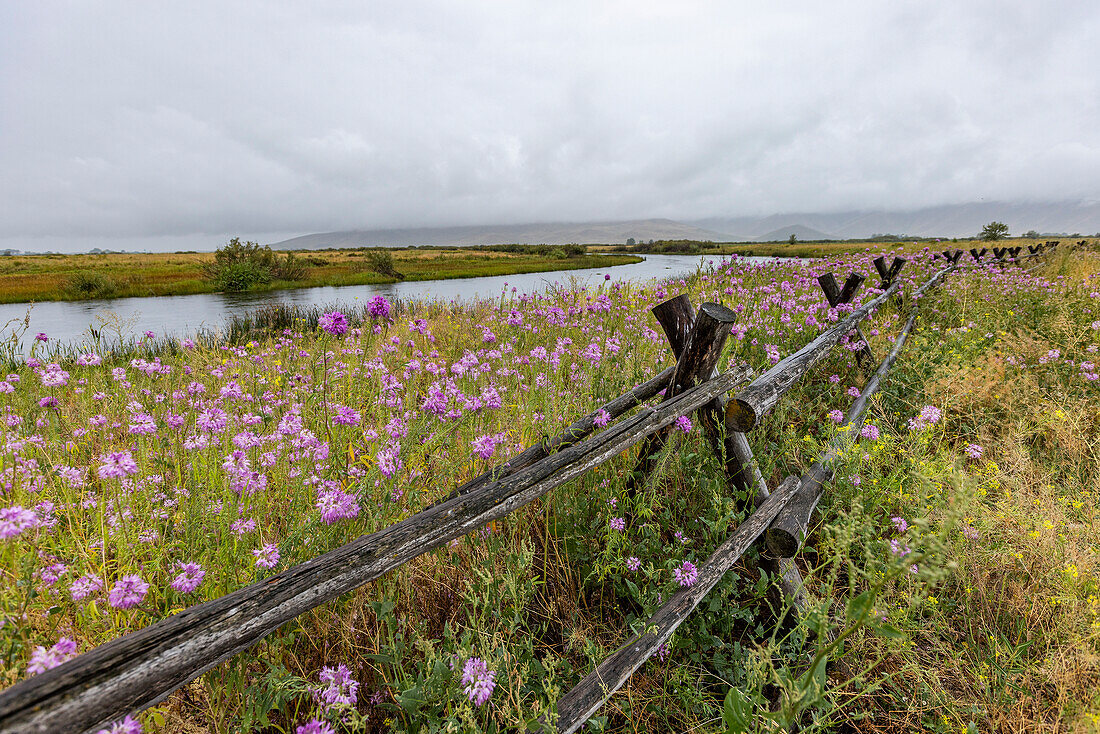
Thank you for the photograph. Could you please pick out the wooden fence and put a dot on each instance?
(142, 668)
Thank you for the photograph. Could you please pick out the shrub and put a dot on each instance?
(92, 284)
(241, 265)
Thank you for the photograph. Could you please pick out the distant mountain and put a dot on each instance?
(551, 233)
(957, 220)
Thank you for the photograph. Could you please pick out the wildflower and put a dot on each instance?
(683, 423)
(969, 532)
(379, 307)
(267, 556)
(484, 446)
(43, 659)
(14, 520)
(617, 523)
(338, 687)
(189, 578)
(129, 725)
(899, 549)
(870, 431)
(687, 574)
(127, 592)
(633, 563)
(478, 681)
(315, 726)
(334, 323)
(663, 651)
(118, 464)
(41, 337)
(336, 504)
(900, 524)
(853, 391)
(602, 418)
(48, 402)
(836, 416)
(84, 587)
(974, 451)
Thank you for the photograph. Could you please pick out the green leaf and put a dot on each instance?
(860, 606)
(737, 713)
(889, 630)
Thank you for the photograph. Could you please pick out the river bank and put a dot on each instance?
(25, 278)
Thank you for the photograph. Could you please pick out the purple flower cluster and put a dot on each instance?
(334, 323)
(478, 681)
(686, 575)
(128, 591)
(43, 659)
(338, 687)
(14, 520)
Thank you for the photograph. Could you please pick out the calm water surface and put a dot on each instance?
(68, 321)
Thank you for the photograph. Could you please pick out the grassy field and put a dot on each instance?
(77, 277)
(968, 518)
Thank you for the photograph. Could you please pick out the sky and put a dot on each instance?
(192, 121)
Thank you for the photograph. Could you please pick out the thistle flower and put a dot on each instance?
(338, 686)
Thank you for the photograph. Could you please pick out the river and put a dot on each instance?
(68, 321)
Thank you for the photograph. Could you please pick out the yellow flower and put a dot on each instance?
(1071, 571)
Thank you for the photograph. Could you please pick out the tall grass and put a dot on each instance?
(266, 445)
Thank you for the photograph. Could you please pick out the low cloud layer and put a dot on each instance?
(139, 119)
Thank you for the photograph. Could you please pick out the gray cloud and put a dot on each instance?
(146, 119)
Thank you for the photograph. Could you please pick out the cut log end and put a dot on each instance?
(740, 416)
(781, 543)
(718, 312)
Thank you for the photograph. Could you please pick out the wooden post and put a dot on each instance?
(977, 255)
(696, 362)
(1014, 251)
(999, 252)
(887, 274)
(1034, 249)
(837, 296)
(954, 258)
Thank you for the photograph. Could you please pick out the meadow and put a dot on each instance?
(138, 482)
(26, 278)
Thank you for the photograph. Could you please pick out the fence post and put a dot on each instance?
(887, 274)
(732, 449)
(697, 360)
(978, 255)
(837, 296)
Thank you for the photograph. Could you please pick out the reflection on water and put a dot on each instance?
(68, 321)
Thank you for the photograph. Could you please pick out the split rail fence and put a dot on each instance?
(142, 668)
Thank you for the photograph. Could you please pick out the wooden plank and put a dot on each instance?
(837, 296)
(142, 668)
(578, 705)
(787, 532)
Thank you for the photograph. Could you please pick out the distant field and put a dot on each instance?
(826, 248)
(79, 277)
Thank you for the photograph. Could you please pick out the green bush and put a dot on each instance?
(242, 265)
(92, 284)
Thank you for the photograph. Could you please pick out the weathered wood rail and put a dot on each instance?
(142, 668)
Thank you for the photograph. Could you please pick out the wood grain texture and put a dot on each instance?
(142, 668)
(578, 705)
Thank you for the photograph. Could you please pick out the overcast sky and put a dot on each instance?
(147, 118)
